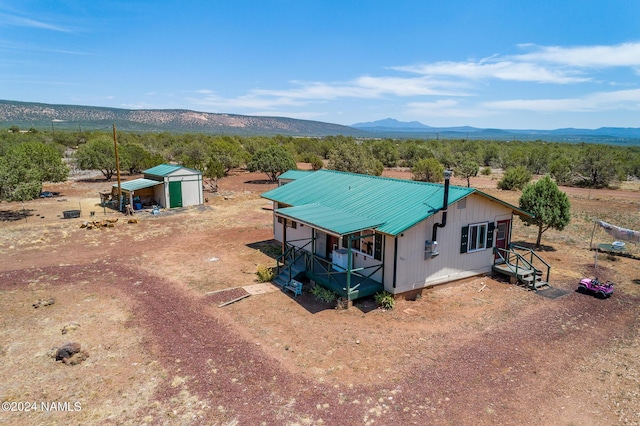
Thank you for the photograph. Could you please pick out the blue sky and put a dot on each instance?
(499, 64)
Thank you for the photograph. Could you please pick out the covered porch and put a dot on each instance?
(346, 271)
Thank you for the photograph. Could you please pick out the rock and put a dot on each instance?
(76, 358)
(44, 302)
(67, 350)
(70, 327)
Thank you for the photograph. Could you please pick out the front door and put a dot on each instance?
(332, 244)
(502, 234)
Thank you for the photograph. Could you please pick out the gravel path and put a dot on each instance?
(502, 376)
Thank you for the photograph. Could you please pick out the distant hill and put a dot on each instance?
(72, 117)
(392, 123)
(45, 116)
(392, 128)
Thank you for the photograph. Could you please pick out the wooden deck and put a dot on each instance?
(527, 276)
(323, 274)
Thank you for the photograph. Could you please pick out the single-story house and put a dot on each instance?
(358, 234)
(165, 185)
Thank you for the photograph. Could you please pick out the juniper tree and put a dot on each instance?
(550, 206)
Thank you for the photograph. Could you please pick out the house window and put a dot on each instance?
(290, 223)
(365, 242)
(477, 237)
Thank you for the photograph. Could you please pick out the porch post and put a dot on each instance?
(284, 235)
(349, 265)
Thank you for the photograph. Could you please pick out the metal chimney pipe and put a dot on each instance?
(445, 204)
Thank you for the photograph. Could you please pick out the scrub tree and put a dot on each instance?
(273, 160)
(550, 206)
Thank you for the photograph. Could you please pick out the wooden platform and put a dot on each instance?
(526, 276)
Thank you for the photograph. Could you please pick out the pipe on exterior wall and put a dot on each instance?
(445, 204)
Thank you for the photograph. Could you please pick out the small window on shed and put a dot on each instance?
(462, 204)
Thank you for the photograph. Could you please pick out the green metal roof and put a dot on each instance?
(134, 185)
(294, 174)
(166, 169)
(330, 220)
(395, 204)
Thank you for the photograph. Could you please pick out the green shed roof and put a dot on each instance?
(395, 204)
(295, 174)
(330, 220)
(136, 184)
(166, 169)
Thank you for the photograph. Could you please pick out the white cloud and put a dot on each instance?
(628, 99)
(19, 21)
(304, 93)
(425, 85)
(621, 55)
(502, 70)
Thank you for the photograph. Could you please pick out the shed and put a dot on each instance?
(165, 185)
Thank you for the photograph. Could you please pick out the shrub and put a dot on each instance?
(515, 178)
(428, 170)
(486, 171)
(385, 300)
(323, 294)
(265, 274)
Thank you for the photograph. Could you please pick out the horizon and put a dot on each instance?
(541, 66)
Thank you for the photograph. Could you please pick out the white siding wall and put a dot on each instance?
(299, 236)
(388, 256)
(361, 260)
(414, 272)
(321, 244)
(160, 196)
(277, 227)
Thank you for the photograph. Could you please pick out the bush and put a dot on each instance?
(265, 274)
(323, 294)
(486, 171)
(385, 300)
(428, 170)
(515, 178)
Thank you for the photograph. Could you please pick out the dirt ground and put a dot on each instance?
(143, 300)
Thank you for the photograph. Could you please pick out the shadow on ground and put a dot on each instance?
(271, 248)
(15, 215)
(532, 246)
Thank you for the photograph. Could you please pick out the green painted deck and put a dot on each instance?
(322, 272)
(336, 281)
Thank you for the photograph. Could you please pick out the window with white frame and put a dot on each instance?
(367, 242)
(477, 237)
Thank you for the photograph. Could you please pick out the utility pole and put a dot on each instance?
(115, 146)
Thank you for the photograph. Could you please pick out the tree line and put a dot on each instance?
(29, 158)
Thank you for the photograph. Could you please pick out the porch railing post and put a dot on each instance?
(349, 266)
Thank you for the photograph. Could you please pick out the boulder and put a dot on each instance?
(67, 350)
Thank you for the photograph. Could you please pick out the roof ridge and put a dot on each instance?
(417, 182)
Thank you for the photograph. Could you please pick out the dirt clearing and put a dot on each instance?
(142, 300)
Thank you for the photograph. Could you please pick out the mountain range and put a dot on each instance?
(73, 117)
(390, 127)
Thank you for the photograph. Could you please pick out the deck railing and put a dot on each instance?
(291, 253)
(516, 261)
(532, 254)
(323, 269)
